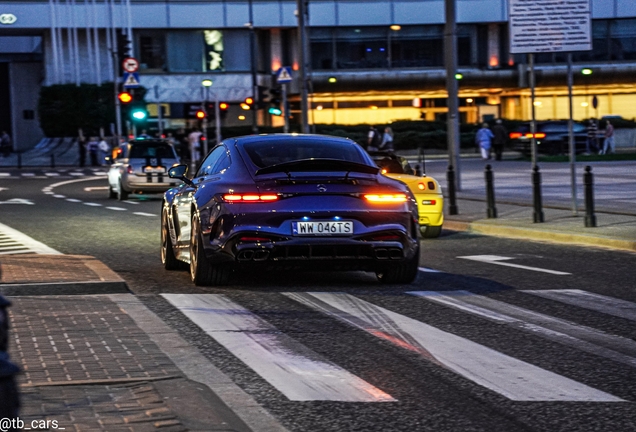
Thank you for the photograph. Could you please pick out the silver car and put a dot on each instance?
(141, 166)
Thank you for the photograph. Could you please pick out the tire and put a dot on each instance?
(168, 258)
(122, 195)
(202, 272)
(430, 231)
(403, 273)
(112, 194)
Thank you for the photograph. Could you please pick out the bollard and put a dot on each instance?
(52, 161)
(490, 192)
(536, 194)
(588, 182)
(418, 171)
(450, 178)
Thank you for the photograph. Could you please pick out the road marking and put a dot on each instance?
(295, 370)
(587, 300)
(116, 208)
(145, 214)
(49, 193)
(512, 378)
(77, 174)
(28, 175)
(584, 338)
(495, 259)
(32, 245)
(51, 174)
(92, 204)
(59, 196)
(131, 202)
(74, 200)
(99, 188)
(429, 270)
(3, 189)
(5, 174)
(18, 201)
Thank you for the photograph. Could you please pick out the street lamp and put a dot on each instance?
(207, 83)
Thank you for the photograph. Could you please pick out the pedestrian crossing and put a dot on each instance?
(13, 242)
(45, 173)
(301, 374)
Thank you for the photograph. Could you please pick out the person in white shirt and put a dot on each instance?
(194, 140)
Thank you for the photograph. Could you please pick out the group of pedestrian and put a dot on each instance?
(592, 144)
(488, 140)
(380, 141)
(97, 148)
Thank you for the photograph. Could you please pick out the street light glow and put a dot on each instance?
(586, 71)
(332, 79)
(458, 76)
(206, 83)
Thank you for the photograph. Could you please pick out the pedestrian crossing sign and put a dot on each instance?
(284, 75)
(131, 80)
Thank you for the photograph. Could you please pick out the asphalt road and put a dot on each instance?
(480, 360)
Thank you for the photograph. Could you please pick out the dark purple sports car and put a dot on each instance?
(289, 201)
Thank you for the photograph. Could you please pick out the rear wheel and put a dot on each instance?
(431, 231)
(122, 195)
(403, 273)
(168, 258)
(202, 272)
(112, 194)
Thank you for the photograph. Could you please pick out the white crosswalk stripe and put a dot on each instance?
(591, 301)
(14, 242)
(586, 339)
(295, 370)
(512, 378)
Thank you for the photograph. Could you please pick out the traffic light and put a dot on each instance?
(125, 97)
(201, 114)
(138, 114)
(274, 110)
(137, 111)
(275, 95)
(248, 103)
(223, 106)
(123, 48)
(263, 97)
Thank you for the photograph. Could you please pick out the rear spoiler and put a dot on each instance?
(317, 165)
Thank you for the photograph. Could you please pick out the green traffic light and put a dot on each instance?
(139, 114)
(275, 111)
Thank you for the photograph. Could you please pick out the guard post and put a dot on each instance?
(537, 216)
(588, 182)
(450, 178)
(490, 192)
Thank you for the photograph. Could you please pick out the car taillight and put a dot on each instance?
(249, 198)
(429, 202)
(386, 198)
(129, 169)
(421, 186)
(539, 135)
(515, 135)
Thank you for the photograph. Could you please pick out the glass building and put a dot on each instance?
(372, 61)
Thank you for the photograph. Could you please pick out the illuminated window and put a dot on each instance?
(213, 50)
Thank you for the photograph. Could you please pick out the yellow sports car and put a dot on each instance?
(427, 192)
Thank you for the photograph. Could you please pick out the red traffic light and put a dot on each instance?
(125, 97)
(223, 106)
(200, 114)
(249, 101)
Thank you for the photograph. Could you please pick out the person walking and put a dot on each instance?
(93, 150)
(387, 140)
(501, 138)
(608, 142)
(104, 151)
(484, 139)
(5, 144)
(374, 139)
(194, 141)
(592, 137)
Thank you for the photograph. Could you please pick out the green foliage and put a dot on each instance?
(65, 108)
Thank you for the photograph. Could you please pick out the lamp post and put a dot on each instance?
(206, 83)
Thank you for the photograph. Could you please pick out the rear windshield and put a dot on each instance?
(151, 149)
(267, 153)
(391, 165)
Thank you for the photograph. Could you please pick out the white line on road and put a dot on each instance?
(92, 204)
(116, 208)
(73, 200)
(587, 300)
(145, 214)
(99, 188)
(296, 371)
(81, 174)
(28, 175)
(32, 244)
(584, 338)
(5, 174)
(52, 174)
(59, 196)
(495, 259)
(429, 270)
(512, 378)
(131, 202)
(17, 201)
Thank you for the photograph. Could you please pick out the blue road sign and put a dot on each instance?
(131, 80)
(284, 75)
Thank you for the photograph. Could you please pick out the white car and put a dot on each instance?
(141, 166)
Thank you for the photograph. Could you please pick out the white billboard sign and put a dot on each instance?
(538, 26)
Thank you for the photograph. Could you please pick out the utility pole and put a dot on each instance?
(254, 69)
(302, 44)
(116, 66)
(450, 60)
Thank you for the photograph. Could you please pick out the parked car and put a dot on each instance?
(552, 137)
(9, 395)
(427, 192)
(289, 202)
(141, 166)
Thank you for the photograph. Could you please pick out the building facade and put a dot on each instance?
(372, 61)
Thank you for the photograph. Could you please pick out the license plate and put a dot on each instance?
(154, 169)
(322, 228)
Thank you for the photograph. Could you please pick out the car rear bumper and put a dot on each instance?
(430, 214)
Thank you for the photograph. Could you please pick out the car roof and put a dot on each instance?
(290, 138)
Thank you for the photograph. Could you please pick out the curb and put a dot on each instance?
(541, 235)
(63, 288)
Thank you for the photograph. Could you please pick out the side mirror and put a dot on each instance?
(179, 172)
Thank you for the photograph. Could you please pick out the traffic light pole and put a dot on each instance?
(285, 108)
(302, 44)
(217, 118)
(254, 69)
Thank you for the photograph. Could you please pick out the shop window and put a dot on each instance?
(417, 46)
(151, 47)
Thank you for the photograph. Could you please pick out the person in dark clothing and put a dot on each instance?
(81, 147)
(592, 137)
(5, 144)
(500, 140)
(93, 149)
